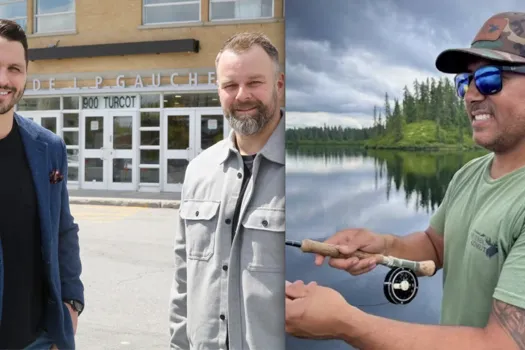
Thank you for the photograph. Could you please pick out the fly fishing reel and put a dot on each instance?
(400, 286)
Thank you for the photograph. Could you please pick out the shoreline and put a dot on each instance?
(426, 147)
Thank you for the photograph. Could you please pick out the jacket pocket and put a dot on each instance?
(264, 230)
(200, 218)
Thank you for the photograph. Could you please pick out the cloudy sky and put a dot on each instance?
(343, 55)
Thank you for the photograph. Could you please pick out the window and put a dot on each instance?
(150, 121)
(15, 10)
(54, 16)
(171, 11)
(70, 132)
(240, 9)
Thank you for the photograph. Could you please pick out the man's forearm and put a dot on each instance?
(416, 246)
(369, 332)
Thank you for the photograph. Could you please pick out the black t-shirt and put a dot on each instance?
(248, 165)
(24, 291)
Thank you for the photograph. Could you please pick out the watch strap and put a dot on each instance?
(76, 305)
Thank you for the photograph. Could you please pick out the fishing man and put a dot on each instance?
(41, 294)
(227, 287)
(476, 235)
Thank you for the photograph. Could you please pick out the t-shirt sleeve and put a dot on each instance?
(437, 220)
(511, 284)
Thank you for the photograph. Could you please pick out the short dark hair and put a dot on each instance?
(12, 31)
(244, 41)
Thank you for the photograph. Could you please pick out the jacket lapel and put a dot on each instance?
(37, 156)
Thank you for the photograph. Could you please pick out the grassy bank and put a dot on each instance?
(423, 135)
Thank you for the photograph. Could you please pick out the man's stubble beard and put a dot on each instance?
(508, 137)
(505, 141)
(17, 96)
(246, 124)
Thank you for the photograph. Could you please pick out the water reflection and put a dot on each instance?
(328, 189)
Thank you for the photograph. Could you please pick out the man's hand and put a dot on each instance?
(350, 240)
(312, 311)
(74, 317)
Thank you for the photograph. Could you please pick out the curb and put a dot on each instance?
(125, 202)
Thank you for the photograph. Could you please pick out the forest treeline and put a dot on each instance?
(430, 114)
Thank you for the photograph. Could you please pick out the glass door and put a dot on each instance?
(178, 138)
(211, 127)
(95, 139)
(109, 150)
(122, 143)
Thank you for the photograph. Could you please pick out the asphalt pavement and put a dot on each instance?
(127, 259)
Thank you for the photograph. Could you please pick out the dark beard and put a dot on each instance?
(16, 98)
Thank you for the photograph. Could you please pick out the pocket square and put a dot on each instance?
(55, 176)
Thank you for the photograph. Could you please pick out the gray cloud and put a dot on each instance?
(342, 56)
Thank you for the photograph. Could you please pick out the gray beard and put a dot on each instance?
(247, 125)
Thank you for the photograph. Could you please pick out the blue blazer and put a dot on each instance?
(46, 152)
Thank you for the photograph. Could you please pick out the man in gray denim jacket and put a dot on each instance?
(228, 285)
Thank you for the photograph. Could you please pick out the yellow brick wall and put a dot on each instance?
(117, 21)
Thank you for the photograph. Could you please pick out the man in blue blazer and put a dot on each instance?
(41, 294)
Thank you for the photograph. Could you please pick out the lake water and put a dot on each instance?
(385, 191)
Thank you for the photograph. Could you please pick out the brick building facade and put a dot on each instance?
(129, 84)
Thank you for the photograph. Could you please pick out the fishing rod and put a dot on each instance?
(401, 282)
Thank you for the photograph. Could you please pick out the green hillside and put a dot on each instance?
(424, 135)
(429, 117)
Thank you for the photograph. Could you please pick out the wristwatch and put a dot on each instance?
(76, 305)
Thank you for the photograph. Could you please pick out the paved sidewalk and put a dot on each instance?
(125, 198)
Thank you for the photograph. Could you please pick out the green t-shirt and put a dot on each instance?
(482, 220)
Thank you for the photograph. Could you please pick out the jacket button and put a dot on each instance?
(265, 223)
(197, 213)
(228, 221)
(239, 175)
(225, 267)
(222, 317)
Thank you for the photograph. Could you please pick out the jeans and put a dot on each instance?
(43, 342)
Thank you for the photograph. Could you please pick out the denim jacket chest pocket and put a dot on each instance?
(201, 218)
(263, 239)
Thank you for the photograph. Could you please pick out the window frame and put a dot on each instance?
(36, 16)
(210, 13)
(10, 2)
(188, 2)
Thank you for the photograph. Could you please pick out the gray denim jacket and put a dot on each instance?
(219, 284)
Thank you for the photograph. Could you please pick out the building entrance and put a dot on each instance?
(146, 147)
(109, 143)
(187, 132)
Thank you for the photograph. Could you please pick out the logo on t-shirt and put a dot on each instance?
(484, 244)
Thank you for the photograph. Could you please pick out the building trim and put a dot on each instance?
(115, 49)
(202, 88)
(112, 74)
(222, 22)
(52, 34)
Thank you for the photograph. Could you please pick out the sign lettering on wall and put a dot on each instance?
(108, 102)
(152, 81)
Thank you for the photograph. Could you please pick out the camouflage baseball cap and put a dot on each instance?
(501, 40)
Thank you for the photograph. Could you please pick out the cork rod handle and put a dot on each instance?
(422, 268)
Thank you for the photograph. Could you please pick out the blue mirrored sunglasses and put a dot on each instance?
(488, 79)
